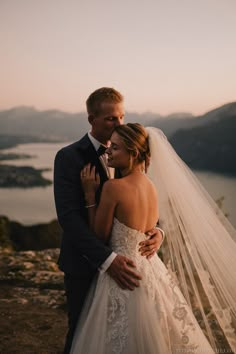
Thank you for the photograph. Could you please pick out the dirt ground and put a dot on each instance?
(30, 328)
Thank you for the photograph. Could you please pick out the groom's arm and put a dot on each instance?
(150, 246)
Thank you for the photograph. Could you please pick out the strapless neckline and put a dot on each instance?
(115, 220)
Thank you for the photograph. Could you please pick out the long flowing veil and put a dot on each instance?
(200, 246)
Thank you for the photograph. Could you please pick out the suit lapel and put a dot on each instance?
(93, 158)
(90, 156)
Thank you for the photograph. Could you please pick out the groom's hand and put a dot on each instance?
(123, 274)
(150, 246)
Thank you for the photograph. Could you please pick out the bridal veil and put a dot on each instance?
(200, 246)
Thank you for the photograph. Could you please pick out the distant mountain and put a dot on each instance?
(51, 124)
(204, 142)
(212, 144)
(55, 124)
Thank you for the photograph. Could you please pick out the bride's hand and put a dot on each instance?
(90, 180)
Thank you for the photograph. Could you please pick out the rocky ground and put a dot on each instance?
(32, 303)
(33, 316)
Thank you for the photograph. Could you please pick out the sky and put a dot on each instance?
(165, 56)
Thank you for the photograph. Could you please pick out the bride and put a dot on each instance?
(184, 305)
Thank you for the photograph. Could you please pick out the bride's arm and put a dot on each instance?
(101, 216)
(105, 211)
(90, 182)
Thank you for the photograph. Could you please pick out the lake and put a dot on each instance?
(35, 205)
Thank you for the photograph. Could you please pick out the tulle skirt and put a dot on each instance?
(152, 319)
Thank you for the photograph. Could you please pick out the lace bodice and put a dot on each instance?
(125, 240)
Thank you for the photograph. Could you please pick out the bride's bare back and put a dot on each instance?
(136, 201)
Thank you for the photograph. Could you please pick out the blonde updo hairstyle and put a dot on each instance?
(135, 138)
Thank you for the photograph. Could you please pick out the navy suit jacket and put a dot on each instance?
(81, 252)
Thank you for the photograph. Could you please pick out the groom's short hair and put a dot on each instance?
(103, 94)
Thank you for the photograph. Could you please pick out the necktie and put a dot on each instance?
(101, 150)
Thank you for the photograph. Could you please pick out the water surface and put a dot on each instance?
(33, 205)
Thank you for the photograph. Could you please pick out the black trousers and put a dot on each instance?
(76, 290)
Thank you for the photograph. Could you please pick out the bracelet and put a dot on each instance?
(90, 206)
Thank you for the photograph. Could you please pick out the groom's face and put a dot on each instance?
(104, 122)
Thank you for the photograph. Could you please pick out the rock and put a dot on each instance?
(32, 302)
(34, 276)
(28, 254)
(28, 265)
(22, 301)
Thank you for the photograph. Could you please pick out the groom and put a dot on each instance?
(82, 254)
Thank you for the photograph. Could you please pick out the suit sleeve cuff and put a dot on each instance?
(104, 266)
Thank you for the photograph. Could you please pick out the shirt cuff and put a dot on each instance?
(163, 235)
(162, 232)
(104, 266)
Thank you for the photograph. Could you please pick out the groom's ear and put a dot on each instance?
(91, 118)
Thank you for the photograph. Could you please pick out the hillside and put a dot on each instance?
(211, 146)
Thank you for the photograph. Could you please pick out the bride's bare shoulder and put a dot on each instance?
(114, 186)
(112, 189)
(113, 183)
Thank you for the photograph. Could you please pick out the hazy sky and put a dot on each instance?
(164, 55)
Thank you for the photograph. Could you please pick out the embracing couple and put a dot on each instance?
(121, 297)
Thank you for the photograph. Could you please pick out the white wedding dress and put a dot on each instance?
(153, 319)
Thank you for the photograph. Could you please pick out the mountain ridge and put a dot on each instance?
(24, 120)
(205, 142)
